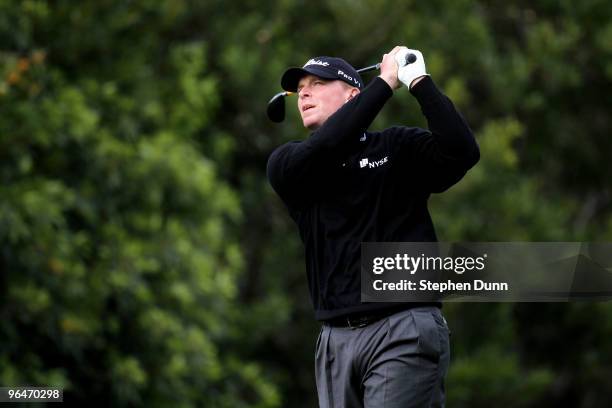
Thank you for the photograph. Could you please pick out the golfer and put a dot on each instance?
(345, 185)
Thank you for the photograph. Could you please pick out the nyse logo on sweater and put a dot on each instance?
(373, 164)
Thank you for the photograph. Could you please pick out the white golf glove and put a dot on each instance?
(409, 72)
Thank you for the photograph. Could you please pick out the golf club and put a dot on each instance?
(276, 105)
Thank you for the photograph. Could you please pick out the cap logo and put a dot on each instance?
(348, 77)
(315, 62)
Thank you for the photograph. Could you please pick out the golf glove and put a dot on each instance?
(409, 72)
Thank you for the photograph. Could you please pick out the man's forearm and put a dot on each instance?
(339, 132)
(453, 134)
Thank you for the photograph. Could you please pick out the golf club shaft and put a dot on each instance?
(410, 58)
(276, 106)
(370, 68)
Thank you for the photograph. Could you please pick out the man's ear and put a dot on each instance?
(353, 93)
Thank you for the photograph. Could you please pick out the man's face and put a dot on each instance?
(319, 98)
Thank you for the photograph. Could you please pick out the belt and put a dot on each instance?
(358, 320)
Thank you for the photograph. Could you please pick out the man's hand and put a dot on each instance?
(410, 74)
(388, 69)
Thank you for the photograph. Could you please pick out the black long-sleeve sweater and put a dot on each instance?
(345, 185)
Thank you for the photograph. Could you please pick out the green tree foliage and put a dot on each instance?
(119, 265)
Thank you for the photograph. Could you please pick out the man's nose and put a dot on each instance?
(305, 91)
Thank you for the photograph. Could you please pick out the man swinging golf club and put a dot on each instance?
(345, 185)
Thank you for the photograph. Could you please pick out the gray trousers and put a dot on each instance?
(398, 361)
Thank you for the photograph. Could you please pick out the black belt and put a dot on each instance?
(358, 320)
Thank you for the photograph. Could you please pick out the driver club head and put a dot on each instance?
(276, 107)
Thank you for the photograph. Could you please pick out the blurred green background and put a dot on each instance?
(144, 259)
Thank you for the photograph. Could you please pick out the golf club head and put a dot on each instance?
(276, 107)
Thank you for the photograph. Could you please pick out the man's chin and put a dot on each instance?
(313, 120)
(311, 124)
